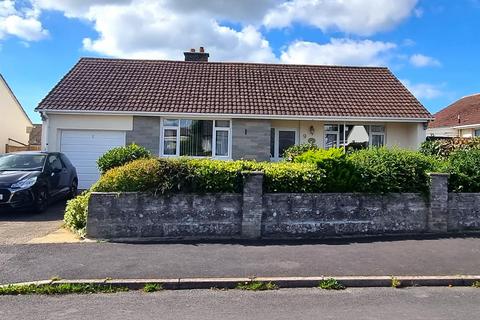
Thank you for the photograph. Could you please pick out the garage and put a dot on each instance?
(84, 147)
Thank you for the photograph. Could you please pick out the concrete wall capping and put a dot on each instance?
(255, 214)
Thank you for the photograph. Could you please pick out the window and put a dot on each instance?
(477, 133)
(196, 138)
(356, 136)
(280, 140)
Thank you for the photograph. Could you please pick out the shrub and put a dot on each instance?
(205, 175)
(340, 174)
(443, 148)
(156, 175)
(330, 284)
(76, 212)
(393, 170)
(292, 152)
(119, 156)
(293, 177)
(464, 167)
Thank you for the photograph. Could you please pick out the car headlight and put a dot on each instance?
(24, 184)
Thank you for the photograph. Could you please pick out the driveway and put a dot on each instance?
(21, 227)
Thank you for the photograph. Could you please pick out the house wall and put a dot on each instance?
(146, 132)
(404, 135)
(251, 139)
(13, 120)
(442, 132)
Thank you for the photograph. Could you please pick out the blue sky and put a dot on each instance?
(433, 46)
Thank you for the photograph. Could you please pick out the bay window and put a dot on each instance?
(196, 138)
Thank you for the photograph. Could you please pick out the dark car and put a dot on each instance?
(34, 179)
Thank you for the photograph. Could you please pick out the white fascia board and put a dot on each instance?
(467, 126)
(237, 116)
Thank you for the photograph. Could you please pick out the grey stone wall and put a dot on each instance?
(255, 214)
(146, 133)
(140, 215)
(336, 214)
(463, 211)
(251, 139)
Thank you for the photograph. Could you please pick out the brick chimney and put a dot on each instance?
(193, 55)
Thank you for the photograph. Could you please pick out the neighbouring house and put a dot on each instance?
(15, 125)
(223, 110)
(460, 119)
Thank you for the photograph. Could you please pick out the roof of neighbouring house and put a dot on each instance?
(116, 85)
(463, 112)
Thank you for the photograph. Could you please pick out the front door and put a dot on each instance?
(281, 139)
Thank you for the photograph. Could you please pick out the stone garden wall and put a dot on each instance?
(254, 214)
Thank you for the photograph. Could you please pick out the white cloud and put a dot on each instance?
(23, 23)
(339, 52)
(423, 90)
(163, 29)
(420, 60)
(350, 16)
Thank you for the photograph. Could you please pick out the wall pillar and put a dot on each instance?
(252, 205)
(438, 213)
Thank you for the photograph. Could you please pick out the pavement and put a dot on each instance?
(365, 303)
(387, 257)
(18, 227)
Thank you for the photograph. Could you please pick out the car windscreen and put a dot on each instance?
(22, 162)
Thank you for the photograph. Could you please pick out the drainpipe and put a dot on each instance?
(45, 129)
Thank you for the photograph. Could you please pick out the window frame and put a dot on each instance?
(214, 137)
(276, 140)
(369, 131)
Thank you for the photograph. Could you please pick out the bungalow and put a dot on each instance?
(223, 110)
(460, 119)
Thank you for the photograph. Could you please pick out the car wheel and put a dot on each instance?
(72, 193)
(41, 200)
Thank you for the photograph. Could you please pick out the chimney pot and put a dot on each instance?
(200, 56)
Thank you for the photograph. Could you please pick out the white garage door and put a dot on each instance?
(83, 148)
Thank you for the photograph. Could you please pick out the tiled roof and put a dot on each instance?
(232, 88)
(460, 113)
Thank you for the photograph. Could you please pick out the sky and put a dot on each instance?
(432, 46)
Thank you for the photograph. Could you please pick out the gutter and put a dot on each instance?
(237, 116)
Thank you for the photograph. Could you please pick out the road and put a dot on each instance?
(449, 256)
(358, 304)
(21, 227)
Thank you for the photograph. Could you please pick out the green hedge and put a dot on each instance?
(340, 173)
(464, 168)
(200, 176)
(385, 170)
(119, 156)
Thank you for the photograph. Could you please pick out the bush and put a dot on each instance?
(156, 175)
(205, 175)
(293, 177)
(393, 170)
(464, 167)
(292, 152)
(443, 148)
(119, 156)
(76, 212)
(340, 174)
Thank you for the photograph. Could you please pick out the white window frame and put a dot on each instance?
(370, 133)
(276, 156)
(214, 137)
